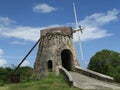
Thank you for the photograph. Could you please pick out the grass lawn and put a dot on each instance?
(50, 83)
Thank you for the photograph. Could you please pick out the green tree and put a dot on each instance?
(5, 74)
(25, 73)
(106, 62)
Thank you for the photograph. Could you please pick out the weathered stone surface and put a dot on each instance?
(87, 83)
(57, 30)
(56, 49)
(94, 74)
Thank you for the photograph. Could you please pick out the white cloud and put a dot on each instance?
(3, 62)
(93, 25)
(43, 8)
(99, 19)
(91, 33)
(18, 42)
(23, 32)
(25, 63)
(5, 21)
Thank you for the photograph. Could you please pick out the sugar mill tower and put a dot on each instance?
(56, 49)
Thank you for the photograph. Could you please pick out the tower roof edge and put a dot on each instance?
(57, 30)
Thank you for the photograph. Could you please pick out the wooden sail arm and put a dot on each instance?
(79, 29)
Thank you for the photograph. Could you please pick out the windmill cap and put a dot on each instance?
(57, 30)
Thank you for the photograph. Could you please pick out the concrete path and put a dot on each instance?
(85, 82)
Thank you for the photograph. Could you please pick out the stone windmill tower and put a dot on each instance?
(56, 49)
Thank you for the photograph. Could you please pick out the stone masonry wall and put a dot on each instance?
(53, 42)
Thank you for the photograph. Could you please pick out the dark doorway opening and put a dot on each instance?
(49, 64)
(67, 59)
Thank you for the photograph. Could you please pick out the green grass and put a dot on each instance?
(50, 83)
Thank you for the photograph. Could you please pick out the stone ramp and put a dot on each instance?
(85, 82)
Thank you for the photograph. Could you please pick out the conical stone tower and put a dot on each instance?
(56, 49)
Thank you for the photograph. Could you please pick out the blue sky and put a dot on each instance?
(22, 20)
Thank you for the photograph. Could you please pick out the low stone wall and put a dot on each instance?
(93, 74)
(67, 75)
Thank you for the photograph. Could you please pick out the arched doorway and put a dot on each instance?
(67, 59)
(49, 64)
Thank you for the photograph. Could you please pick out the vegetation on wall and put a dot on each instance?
(106, 62)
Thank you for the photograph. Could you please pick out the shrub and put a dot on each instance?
(1, 82)
(117, 74)
(106, 62)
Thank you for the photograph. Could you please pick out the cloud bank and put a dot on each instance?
(93, 28)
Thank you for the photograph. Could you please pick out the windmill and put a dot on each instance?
(79, 29)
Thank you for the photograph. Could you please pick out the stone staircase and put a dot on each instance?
(89, 83)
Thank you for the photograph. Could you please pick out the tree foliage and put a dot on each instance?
(25, 73)
(5, 74)
(106, 62)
